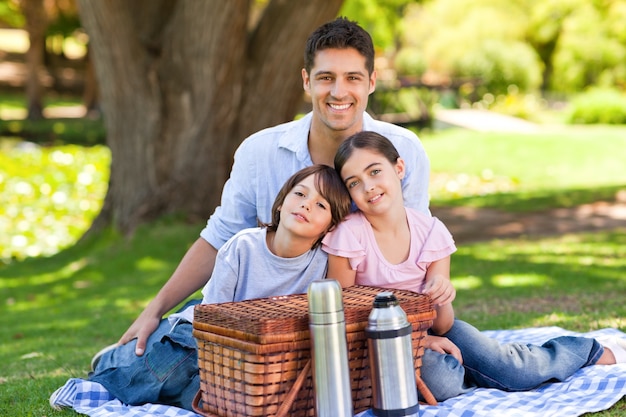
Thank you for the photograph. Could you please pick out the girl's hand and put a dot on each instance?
(440, 290)
(444, 346)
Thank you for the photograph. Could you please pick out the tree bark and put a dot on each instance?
(36, 24)
(182, 83)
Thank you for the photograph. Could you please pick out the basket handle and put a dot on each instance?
(424, 390)
(195, 404)
(284, 408)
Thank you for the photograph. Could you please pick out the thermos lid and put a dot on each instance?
(385, 299)
(325, 302)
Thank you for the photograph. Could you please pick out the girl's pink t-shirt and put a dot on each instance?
(354, 239)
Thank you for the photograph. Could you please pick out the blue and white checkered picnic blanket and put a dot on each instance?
(591, 389)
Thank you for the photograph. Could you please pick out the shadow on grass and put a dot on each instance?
(536, 200)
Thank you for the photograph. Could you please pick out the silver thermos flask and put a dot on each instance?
(331, 374)
(394, 390)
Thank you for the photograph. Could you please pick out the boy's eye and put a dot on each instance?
(321, 205)
(299, 193)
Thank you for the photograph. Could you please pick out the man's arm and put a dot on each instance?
(192, 273)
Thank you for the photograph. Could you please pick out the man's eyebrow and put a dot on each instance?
(326, 72)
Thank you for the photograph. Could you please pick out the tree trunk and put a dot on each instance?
(36, 24)
(181, 83)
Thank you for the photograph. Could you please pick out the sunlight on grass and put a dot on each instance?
(514, 280)
(48, 196)
(150, 264)
(467, 283)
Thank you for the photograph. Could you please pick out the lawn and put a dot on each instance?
(57, 311)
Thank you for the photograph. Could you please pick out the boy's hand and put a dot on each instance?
(141, 330)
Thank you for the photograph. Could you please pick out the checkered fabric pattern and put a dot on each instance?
(591, 389)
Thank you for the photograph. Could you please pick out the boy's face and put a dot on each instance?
(305, 213)
(339, 85)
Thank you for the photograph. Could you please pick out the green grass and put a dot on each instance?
(518, 172)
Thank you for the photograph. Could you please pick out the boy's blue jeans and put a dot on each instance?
(488, 363)
(167, 373)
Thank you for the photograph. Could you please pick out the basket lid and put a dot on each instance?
(285, 318)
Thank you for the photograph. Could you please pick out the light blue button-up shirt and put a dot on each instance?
(266, 159)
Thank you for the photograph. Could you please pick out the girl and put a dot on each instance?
(279, 258)
(385, 244)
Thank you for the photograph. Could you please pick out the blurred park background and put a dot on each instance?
(118, 122)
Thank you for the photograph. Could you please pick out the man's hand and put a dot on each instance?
(440, 290)
(444, 346)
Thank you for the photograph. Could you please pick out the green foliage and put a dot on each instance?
(573, 43)
(591, 48)
(499, 65)
(48, 196)
(10, 13)
(79, 131)
(411, 61)
(604, 106)
(381, 18)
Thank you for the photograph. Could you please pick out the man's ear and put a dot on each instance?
(306, 81)
(373, 82)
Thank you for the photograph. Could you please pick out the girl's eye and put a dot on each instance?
(352, 184)
(375, 171)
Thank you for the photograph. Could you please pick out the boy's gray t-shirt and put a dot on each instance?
(245, 268)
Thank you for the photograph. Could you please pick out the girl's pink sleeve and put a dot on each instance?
(439, 244)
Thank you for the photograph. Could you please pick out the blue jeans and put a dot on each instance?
(488, 363)
(167, 373)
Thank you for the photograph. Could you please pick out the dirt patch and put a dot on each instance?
(469, 224)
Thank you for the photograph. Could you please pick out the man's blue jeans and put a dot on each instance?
(488, 363)
(167, 373)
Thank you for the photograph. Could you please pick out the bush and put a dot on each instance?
(598, 106)
(411, 61)
(499, 65)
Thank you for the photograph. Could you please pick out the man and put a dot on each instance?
(339, 76)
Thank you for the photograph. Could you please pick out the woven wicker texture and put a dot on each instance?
(254, 356)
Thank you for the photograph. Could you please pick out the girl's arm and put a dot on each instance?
(340, 270)
(439, 287)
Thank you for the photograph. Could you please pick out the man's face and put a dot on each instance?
(339, 85)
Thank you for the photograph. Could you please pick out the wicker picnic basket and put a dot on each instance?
(255, 356)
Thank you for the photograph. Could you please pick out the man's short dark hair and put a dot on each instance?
(340, 33)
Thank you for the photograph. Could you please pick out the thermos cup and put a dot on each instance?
(331, 374)
(394, 389)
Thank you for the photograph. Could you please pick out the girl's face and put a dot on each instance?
(305, 212)
(372, 180)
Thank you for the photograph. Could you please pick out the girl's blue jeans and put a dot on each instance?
(488, 363)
